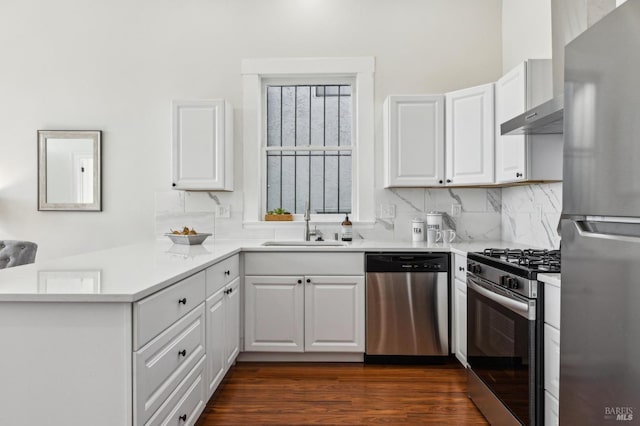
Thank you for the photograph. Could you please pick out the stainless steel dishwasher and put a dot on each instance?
(407, 308)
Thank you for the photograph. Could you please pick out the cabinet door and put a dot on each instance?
(460, 308)
(552, 360)
(202, 145)
(334, 314)
(215, 367)
(274, 320)
(470, 135)
(414, 141)
(232, 321)
(511, 100)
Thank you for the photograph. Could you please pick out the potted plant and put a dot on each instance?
(278, 214)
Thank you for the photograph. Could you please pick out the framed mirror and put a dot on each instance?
(69, 170)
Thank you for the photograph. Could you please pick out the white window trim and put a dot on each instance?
(254, 71)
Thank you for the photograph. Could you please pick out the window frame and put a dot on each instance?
(254, 71)
(310, 81)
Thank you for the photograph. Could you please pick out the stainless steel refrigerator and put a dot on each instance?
(600, 296)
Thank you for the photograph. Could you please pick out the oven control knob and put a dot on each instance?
(504, 280)
(512, 283)
(476, 269)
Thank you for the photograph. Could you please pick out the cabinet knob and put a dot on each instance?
(440, 181)
(299, 281)
(308, 280)
(183, 417)
(230, 290)
(448, 180)
(227, 272)
(173, 184)
(182, 352)
(518, 174)
(182, 301)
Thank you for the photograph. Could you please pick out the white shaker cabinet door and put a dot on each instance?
(470, 135)
(215, 365)
(414, 141)
(511, 101)
(202, 145)
(232, 321)
(460, 308)
(334, 314)
(274, 314)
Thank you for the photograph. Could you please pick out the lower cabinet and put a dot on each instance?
(304, 313)
(551, 353)
(460, 332)
(223, 332)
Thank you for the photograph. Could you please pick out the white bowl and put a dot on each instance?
(190, 240)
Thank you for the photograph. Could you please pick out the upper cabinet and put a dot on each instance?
(202, 145)
(470, 136)
(525, 157)
(414, 141)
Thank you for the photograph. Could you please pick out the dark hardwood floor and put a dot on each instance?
(341, 394)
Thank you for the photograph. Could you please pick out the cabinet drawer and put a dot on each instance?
(551, 360)
(158, 311)
(551, 410)
(293, 263)
(162, 364)
(552, 305)
(188, 400)
(222, 273)
(460, 267)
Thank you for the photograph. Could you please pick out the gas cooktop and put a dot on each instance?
(523, 262)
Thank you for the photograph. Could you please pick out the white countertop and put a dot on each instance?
(130, 273)
(553, 279)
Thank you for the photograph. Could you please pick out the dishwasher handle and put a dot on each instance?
(407, 262)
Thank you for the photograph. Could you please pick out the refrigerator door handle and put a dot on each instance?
(620, 231)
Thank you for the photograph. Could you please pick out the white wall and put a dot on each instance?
(116, 65)
(526, 31)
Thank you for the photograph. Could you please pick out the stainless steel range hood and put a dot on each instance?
(546, 118)
(569, 18)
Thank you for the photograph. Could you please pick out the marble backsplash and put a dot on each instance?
(530, 214)
(480, 217)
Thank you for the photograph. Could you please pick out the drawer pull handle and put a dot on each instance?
(182, 301)
(183, 417)
(299, 281)
(227, 272)
(230, 290)
(182, 352)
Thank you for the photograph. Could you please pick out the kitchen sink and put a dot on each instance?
(300, 243)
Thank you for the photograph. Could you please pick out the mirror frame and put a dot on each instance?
(96, 138)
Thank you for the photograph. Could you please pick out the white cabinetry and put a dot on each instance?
(169, 351)
(223, 320)
(318, 310)
(460, 308)
(551, 353)
(525, 157)
(413, 141)
(202, 145)
(470, 135)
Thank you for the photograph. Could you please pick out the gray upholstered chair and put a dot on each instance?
(14, 253)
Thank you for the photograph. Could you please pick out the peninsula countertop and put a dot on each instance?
(133, 272)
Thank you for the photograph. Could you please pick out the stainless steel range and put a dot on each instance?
(504, 336)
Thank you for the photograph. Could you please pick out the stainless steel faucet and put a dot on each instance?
(307, 218)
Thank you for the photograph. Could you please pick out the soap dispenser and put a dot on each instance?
(346, 230)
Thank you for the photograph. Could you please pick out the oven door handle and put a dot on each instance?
(519, 307)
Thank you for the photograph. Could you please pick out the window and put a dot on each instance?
(283, 155)
(309, 147)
